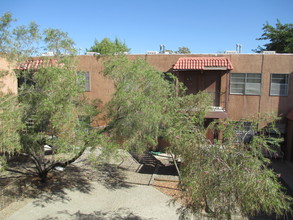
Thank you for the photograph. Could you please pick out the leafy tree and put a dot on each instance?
(183, 50)
(217, 180)
(140, 93)
(280, 38)
(49, 104)
(106, 46)
(53, 103)
(5, 22)
(21, 42)
(10, 121)
(233, 176)
(59, 42)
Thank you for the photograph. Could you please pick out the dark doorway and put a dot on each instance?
(211, 84)
(203, 80)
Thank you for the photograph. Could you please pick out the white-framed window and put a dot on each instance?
(245, 83)
(279, 84)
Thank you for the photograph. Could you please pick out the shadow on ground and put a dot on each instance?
(77, 177)
(73, 178)
(120, 214)
(110, 176)
(149, 164)
(271, 217)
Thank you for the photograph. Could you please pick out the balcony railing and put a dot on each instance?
(218, 101)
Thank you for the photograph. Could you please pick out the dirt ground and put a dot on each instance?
(168, 187)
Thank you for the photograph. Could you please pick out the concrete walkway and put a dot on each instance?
(107, 192)
(125, 195)
(135, 202)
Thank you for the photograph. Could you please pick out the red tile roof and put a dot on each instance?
(36, 64)
(201, 63)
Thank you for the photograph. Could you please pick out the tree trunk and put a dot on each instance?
(41, 170)
(43, 176)
(177, 168)
(43, 173)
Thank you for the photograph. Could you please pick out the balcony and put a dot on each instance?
(218, 108)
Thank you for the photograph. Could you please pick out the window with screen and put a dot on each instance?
(245, 83)
(279, 84)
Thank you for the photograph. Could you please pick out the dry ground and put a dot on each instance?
(18, 190)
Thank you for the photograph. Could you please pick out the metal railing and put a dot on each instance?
(218, 99)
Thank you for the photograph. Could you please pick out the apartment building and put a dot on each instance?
(241, 85)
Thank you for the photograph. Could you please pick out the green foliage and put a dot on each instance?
(19, 42)
(10, 123)
(49, 104)
(183, 50)
(10, 117)
(108, 47)
(5, 22)
(3, 163)
(218, 180)
(232, 177)
(59, 42)
(280, 38)
(23, 41)
(146, 106)
(53, 102)
(136, 97)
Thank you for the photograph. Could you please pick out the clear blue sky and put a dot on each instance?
(204, 26)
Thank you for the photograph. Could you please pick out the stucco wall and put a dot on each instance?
(240, 106)
(100, 87)
(8, 82)
(237, 106)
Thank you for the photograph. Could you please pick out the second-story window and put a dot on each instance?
(279, 84)
(85, 80)
(245, 83)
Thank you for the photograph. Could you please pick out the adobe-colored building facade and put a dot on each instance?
(8, 80)
(237, 105)
(241, 85)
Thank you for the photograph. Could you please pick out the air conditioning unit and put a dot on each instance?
(48, 54)
(231, 52)
(91, 53)
(269, 52)
(152, 52)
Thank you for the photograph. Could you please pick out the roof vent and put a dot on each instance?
(239, 48)
(152, 52)
(269, 52)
